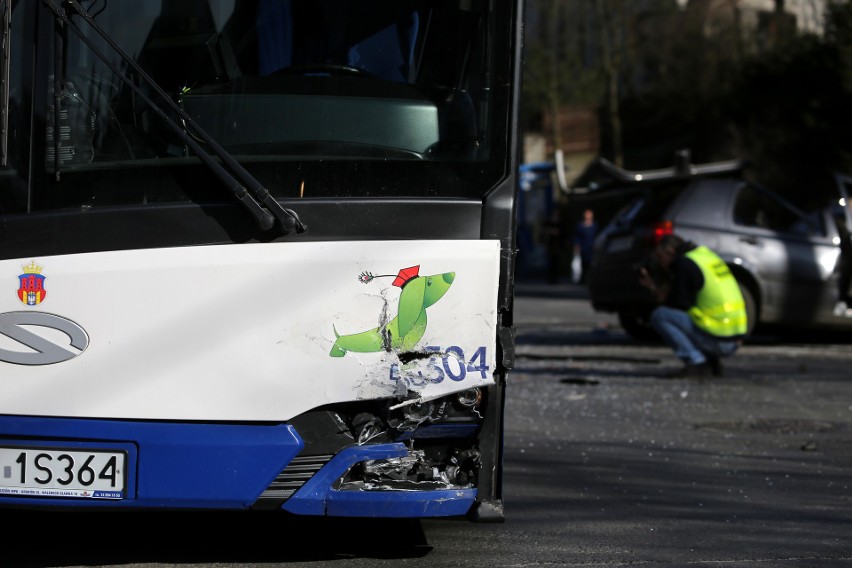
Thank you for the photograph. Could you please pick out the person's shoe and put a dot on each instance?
(700, 371)
(716, 367)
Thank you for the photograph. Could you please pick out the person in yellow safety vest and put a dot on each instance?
(702, 315)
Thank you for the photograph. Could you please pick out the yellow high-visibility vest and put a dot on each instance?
(720, 308)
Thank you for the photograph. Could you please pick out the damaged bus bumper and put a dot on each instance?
(414, 469)
(320, 497)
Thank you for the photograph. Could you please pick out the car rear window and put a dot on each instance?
(651, 206)
(756, 208)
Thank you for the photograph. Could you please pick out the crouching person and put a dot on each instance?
(702, 315)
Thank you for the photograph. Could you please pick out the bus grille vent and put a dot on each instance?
(299, 471)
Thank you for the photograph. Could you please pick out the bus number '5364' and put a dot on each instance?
(450, 362)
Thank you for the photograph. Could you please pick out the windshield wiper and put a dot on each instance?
(249, 191)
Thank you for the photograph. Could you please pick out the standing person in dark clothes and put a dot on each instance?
(584, 242)
(702, 315)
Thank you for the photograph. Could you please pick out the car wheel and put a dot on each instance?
(637, 327)
(750, 308)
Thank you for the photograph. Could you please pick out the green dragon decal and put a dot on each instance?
(407, 328)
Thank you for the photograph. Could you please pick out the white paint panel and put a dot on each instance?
(244, 332)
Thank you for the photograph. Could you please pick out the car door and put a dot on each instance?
(791, 254)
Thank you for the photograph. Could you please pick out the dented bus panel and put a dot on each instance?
(242, 268)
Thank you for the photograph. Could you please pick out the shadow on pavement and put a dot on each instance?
(240, 538)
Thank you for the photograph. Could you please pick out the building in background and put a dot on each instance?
(591, 65)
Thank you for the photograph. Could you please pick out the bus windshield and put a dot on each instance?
(317, 98)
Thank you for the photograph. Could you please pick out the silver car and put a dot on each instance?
(792, 266)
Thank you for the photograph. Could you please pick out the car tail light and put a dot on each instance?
(660, 229)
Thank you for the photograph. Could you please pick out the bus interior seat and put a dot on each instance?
(379, 37)
(274, 35)
(183, 51)
(388, 52)
(457, 127)
(184, 48)
(291, 33)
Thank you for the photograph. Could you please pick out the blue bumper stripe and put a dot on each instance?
(317, 497)
(180, 465)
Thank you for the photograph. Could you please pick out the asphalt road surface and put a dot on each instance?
(607, 463)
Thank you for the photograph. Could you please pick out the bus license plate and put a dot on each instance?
(57, 472)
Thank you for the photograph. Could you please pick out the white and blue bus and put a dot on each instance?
(257, 254)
